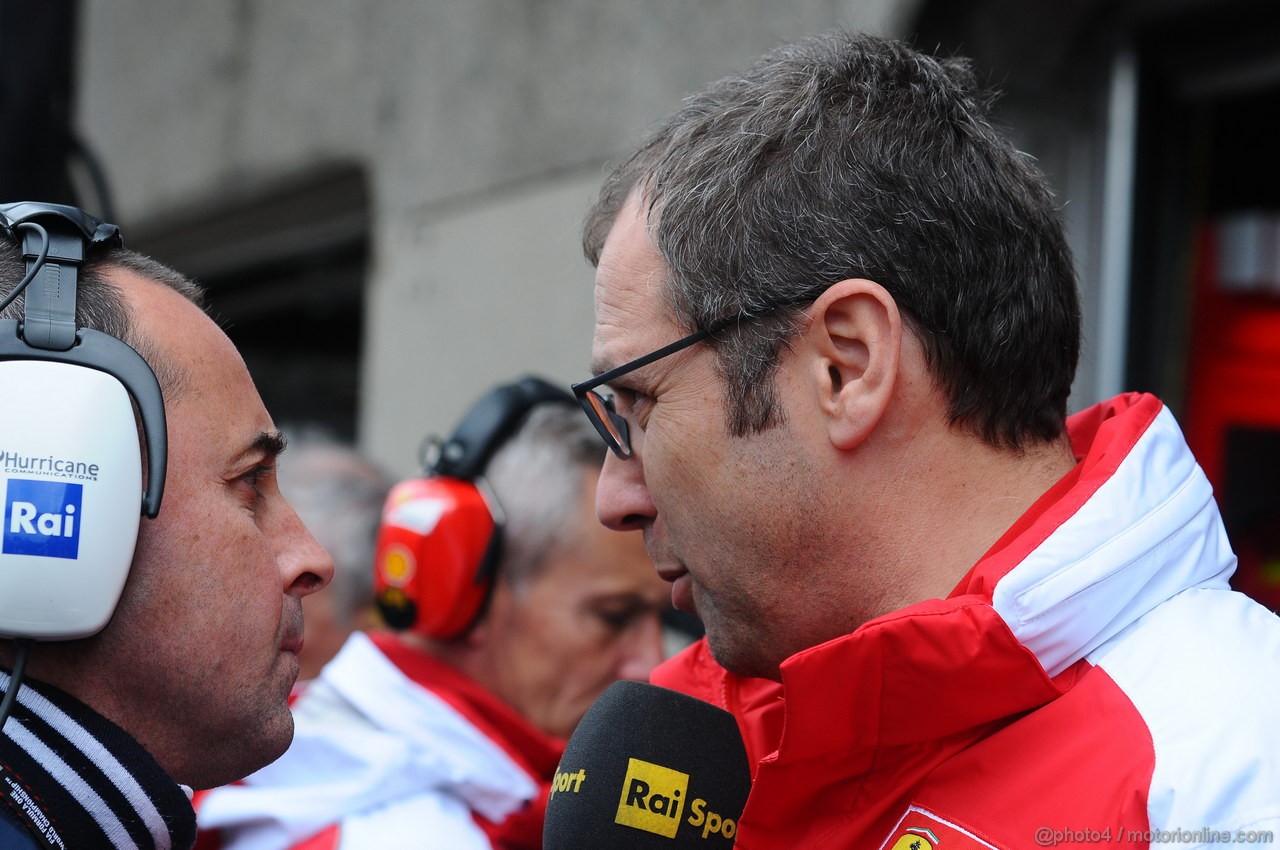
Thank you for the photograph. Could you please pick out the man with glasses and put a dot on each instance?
(836, 331)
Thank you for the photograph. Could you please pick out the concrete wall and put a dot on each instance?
(484, 128)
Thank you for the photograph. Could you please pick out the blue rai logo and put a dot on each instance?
(42, 518)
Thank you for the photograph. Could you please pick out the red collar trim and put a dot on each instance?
(1102, 436)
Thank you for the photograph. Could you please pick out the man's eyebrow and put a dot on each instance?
(268, 444)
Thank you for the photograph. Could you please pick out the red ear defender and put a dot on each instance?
(441, 536)
(431, 567)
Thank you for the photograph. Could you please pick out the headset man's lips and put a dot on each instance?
(293, 632)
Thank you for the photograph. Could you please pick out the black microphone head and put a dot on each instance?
(649, 768)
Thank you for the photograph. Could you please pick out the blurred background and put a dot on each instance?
(383, 197)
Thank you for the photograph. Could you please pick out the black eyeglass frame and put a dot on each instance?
(603, 406)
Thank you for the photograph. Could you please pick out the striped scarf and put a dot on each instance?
(73, 779)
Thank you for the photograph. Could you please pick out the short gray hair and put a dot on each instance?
(538, 477)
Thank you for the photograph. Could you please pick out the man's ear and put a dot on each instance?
(480, 633)
(856, 334)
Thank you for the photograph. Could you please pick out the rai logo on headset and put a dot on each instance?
(42, 518)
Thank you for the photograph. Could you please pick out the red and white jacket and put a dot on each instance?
(392, 748)
(1091, 682)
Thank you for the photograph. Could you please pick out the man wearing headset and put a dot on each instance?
(448, 732)
(188, 682)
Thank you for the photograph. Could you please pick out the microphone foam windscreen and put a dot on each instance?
(649, 768)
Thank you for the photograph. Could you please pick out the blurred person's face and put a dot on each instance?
(327, 630)
(590, 618)
(201, 653)
(311, 475)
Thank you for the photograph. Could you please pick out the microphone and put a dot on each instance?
(649, 767)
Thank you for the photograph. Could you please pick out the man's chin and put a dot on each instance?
(250, 755)
(738, 659)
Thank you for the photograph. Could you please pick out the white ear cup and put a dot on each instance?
(71, 473)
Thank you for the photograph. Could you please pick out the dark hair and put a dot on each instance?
(99, 303)
(847, 155)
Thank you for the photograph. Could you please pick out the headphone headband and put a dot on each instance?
(489, 423)
(93, 230)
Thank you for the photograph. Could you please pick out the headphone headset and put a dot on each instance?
(71, 459)
(440, 540)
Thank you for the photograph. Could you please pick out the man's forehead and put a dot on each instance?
(630, 291)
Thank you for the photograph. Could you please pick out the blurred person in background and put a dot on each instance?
(339, 494)
(512, 610)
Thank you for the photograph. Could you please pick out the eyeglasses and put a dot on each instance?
(600, 408)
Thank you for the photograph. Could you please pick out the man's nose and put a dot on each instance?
(305, 564)
(622, 499)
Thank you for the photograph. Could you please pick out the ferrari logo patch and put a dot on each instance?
(916, 838)
(921, 829)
